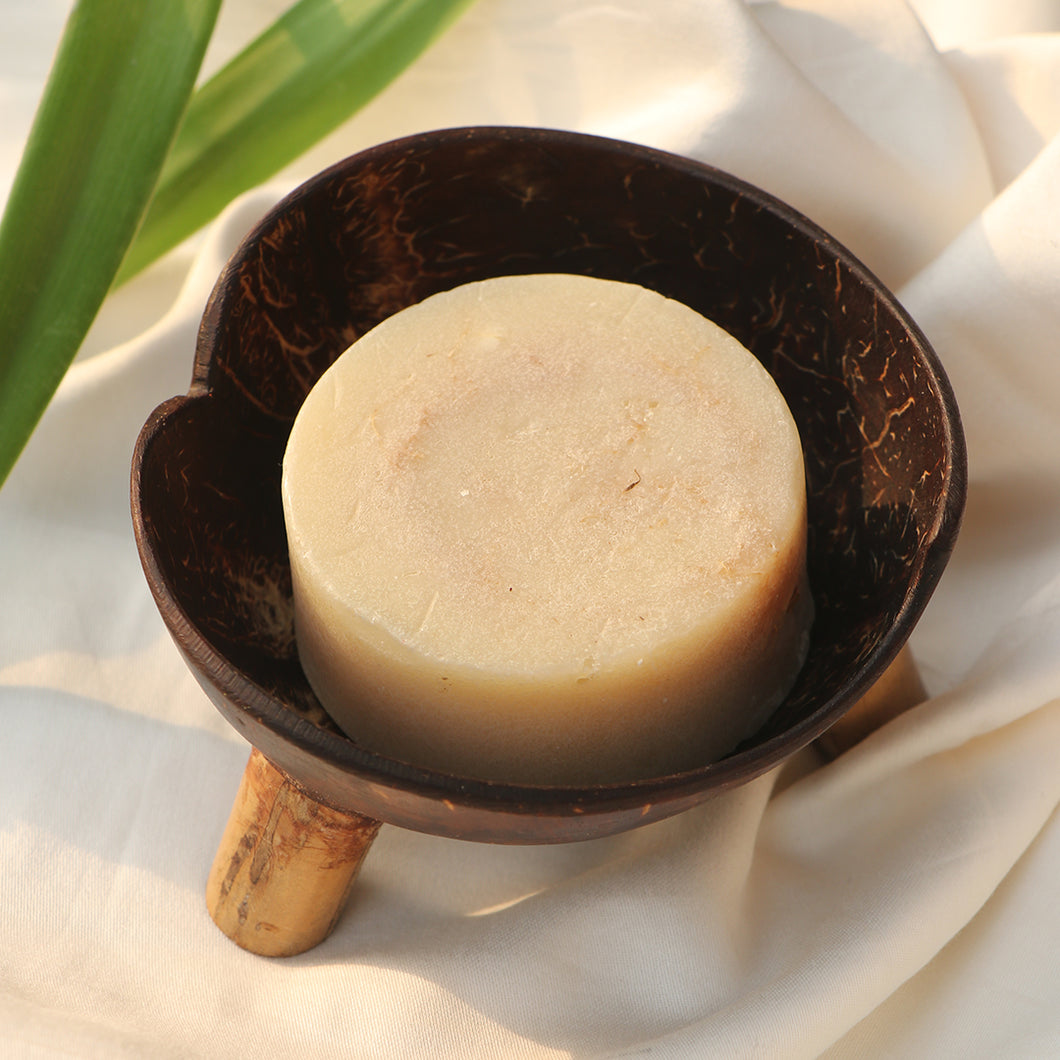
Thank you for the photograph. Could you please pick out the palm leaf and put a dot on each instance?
(305, 75)
(119, 86)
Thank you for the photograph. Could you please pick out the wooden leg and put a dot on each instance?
(285, 866)
(898, 689)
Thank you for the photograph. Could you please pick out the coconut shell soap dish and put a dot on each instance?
(383, 230)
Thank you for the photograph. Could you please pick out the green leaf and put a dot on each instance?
(115, 96)
(305, 75)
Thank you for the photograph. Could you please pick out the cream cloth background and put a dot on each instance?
(897, 903)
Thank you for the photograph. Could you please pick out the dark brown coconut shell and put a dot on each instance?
(884, 451)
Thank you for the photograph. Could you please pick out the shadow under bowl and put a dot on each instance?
(881, 434)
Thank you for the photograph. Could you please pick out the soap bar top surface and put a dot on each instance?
(542, 480)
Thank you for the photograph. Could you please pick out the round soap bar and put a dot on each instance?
(548, 529)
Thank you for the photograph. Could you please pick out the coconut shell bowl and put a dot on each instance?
(383, 229)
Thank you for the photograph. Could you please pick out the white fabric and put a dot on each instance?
(896, 903)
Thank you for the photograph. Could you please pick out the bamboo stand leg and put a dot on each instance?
(898, 689)
(285, 865)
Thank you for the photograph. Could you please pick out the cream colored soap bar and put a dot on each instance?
(548, 529)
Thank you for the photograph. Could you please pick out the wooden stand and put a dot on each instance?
(285, 865)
